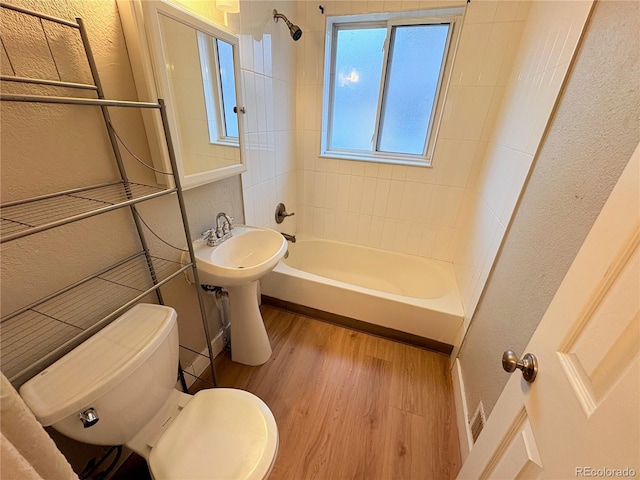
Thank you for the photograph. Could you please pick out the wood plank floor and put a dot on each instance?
(351, 405)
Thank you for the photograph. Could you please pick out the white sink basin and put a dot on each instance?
(250, 253)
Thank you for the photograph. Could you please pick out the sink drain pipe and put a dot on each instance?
(221, 298)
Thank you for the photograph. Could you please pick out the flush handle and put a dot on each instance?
(89, 417)
(528, 364)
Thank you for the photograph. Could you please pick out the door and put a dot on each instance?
(581, 415)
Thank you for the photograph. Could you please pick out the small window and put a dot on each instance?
(216, 61)
(384, 85)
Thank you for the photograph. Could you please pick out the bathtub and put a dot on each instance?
(400, 293)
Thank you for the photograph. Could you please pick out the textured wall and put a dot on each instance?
(592, 136)
(50, 148)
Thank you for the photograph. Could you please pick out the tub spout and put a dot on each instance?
(290, 238)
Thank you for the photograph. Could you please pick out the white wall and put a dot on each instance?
(268, 72)
(549, 39)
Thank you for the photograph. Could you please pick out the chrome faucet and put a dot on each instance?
(222, 231)
(289, 238)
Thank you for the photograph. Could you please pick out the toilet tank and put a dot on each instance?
(124, 372)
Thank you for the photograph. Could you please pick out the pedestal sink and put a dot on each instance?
(237, 264)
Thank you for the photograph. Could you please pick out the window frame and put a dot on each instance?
(451, 17)
(214, 104)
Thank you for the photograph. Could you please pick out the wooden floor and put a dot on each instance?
(350, 405)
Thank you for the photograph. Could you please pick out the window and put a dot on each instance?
(216, 61)
(385, 79)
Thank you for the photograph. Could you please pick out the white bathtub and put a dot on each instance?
(403, 293)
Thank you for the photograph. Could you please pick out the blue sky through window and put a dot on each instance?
(358, 70)
(412, 80)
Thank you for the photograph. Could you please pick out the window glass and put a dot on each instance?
(385, 82)
(413, 71)
(356, 86)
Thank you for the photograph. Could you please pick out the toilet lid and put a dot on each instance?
(221, 433)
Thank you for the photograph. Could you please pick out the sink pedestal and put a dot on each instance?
(249, 341)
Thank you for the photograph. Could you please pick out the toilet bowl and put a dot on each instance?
(117, 388)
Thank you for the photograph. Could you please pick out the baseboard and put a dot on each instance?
(462, 411)
(359, 325)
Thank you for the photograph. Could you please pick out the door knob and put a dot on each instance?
(528, 364)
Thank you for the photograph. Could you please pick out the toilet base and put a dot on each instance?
(249, 340)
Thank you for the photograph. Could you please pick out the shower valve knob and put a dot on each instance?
(281, 213)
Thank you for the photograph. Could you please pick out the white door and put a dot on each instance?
(581, 415)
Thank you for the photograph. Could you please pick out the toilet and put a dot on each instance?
(117, 388)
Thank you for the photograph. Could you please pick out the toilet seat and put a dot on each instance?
(221, 433)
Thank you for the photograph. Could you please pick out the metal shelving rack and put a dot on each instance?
(36, 335)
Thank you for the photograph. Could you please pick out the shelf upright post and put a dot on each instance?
(116, 152)
(185, 222)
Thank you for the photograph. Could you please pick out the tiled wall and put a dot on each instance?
(268, 65)
(548, 41)
(511, 61)
(411, 210)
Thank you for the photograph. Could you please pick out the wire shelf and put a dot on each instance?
(35, 336)
(34, 215)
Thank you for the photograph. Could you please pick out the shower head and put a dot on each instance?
(296, 31)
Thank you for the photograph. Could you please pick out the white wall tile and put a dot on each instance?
(401, 235)
(381, 196)
(414, 239)
(368, 195)
(388, 234)
(352, 227)
(428, 240)
(394, 200)
(496, 49)
(507, 11)
(442, 248)
(320, 189)
(384, 171)
(330, 224)
(344, 184)
(410, 204)
(357, 168)
(456, 163)
(331, 198)
(399, 172)
(355, 194)
(471, 52)
(364, 229)
(342, 224)
(375, 233)
(481, 12)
